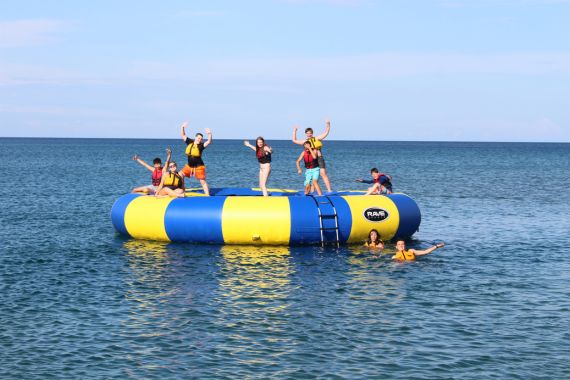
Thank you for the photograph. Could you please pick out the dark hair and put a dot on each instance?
(156, 161)
(308, 130)
(199, 134)
(373, 170)
(377, 234)
(259, 152)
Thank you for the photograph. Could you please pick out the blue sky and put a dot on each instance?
(479, 70)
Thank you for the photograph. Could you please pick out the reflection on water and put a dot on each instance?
(256, 276)
(255, 271)
(146, 287)
(253, 302)
(370, 271)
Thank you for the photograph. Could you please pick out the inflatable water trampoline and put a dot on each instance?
(287, 217)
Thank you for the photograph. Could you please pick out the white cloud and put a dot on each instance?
(194, 14)
(269, 71)
(367, 67)
(484, 3)
(23, 33)
(329, 2)
(18, 75)
(55, 110)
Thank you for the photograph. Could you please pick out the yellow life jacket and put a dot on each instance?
(193, 150)
(405, 256)
(315, 143)
(172, 179)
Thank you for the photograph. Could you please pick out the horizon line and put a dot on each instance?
(241, 139)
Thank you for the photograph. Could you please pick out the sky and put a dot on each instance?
(424, 70)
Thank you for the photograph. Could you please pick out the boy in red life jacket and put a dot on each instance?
(317, 143)
(156, 173)
(381, 183)
(310, 157)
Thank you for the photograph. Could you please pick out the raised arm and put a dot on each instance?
(168, 158)
(137, 159)
(299, 162)
(323, 135)
(429, 250)
(209, 133)
(294, 139)
(246, 143)
(182, 131)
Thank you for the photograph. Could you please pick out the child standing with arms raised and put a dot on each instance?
(263, 154)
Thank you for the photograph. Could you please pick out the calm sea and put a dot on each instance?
(79, 301)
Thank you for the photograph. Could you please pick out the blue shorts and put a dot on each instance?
(311, 174)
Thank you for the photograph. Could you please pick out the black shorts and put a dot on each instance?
(321, 162)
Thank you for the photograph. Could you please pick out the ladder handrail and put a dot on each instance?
(335, 215)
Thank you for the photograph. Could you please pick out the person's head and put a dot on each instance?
(307, 145)
(373, 236)
(401, 245)
(375, 173)
(198, 138)
(157, 162)
(260, 142)
(309, 132)
(172, 167)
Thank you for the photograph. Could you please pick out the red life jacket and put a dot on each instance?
(156, 176)
(310, 161)
(377, 180)
(387, 183)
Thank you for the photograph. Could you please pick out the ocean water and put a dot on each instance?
(79, 301)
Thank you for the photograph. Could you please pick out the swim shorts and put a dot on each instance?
(199, 172)
(151, 189)
(381, 190)
(321, 162)
(311, 175)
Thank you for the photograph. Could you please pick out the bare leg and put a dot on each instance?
(142, 189)
(307, 189)
(317, 187)
(323, 173)
(264, 171)
(373, 190)
(177, 193)
(205, 187)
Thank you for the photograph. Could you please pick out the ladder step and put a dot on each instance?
(328, 218)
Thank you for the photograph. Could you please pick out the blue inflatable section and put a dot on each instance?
(195, 219)
(410, 216)
(305, 226)
(344, 219)
(118, 212)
